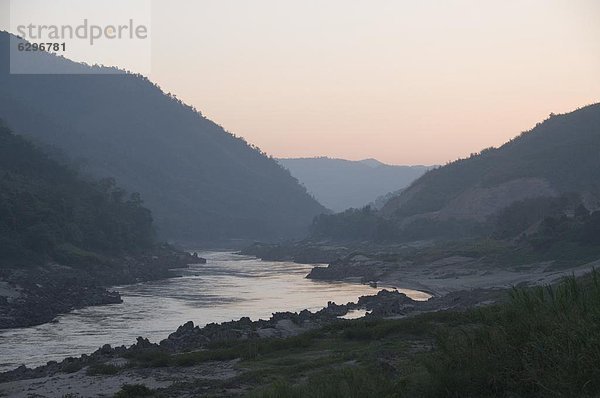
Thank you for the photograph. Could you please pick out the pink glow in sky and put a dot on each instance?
(403, 81)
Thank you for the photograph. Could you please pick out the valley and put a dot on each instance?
(300, 200)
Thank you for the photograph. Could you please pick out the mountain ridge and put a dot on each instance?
(557, 156)
(340, 184)
(551, 171)
(201, 182)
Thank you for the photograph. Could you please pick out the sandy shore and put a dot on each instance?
(80, 384)
(454, 274)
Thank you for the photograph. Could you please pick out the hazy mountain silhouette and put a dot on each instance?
(200, 182)
(341, 184)
(549, 171)
(48, 212)
(557, 157)
(560, 155)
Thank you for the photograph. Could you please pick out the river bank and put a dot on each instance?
(446, 275)
(226, 288)
(35, 295)
(236, 358)
(193, 356)
(432, 267)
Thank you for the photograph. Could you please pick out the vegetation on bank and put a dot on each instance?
(540, 342)
(561, 230)
(48, 212)
(367, 224)
(543, 342)
(550, 219)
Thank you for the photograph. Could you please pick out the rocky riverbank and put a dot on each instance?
(35, 295)
(399, 337)
(438, 268)
(191, 338)
(444, 275)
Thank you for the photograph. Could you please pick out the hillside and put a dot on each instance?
(49, 213)
(558, 156)
(63, 237)
(550, 171)
(200, 182)
(341, 184)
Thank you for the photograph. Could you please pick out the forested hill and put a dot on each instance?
(48, 213)
(340, 184)
(560, 155)
(548, 172)
(200, 182)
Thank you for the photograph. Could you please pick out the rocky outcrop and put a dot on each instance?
(197, 259)
(40, 303)
(47, 291)
(352, 266)
(387, 303)
(281, 324)
(186, 338)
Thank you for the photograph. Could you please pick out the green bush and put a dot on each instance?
(102, 369)
(72, 367)
(149, 358)
(134, 391)
(545, 342)
(349, 382)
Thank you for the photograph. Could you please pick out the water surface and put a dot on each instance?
(227, 288)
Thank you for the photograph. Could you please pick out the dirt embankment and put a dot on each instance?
(35, 295)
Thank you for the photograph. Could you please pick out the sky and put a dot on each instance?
(405, 82)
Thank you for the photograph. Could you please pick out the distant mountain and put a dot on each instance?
(341, 184)
(201, 182)
(548, 172)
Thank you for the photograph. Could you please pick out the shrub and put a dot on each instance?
(349, 382)
(103, 369)
(134, 391)
(545, 342)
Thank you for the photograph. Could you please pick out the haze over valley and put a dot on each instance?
(300, 199)
(340, 184)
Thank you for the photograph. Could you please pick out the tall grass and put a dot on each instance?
(545, 342)
(348, 382)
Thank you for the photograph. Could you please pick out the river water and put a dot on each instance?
(227, 288)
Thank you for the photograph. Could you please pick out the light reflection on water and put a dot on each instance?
(228, 287)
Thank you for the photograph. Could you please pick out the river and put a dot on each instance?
(227, 288)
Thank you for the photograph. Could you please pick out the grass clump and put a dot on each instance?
(348, 382)
(544, 342)
(149, 358)
(102, 369)
(134, 391)
(71, 366)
